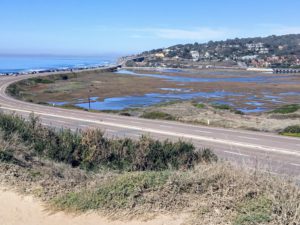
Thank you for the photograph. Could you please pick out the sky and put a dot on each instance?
(95, 27)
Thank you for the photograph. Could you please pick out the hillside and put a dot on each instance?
(124, 179)
(273, 51)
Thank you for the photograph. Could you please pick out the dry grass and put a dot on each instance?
(210, 193)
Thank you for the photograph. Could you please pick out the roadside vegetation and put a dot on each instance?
(91, 150)
(17, 89)
(157, 115)
(228, 108)
(293, 131)
(83, 171)
(286, 109)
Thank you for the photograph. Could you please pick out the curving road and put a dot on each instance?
(268, 152)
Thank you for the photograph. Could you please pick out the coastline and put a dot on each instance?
(64, 70)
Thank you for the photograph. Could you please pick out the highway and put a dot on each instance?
(268, 152)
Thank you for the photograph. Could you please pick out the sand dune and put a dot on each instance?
(19, 210)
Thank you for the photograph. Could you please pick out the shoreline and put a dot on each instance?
(58, 70)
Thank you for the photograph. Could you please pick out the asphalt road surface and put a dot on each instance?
(270, 153)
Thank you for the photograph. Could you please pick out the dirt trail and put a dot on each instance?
(19, 210)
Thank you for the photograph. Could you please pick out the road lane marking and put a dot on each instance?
(205, 132)
(109, 130)
(250, 138)
(235, 153)
(135, 122)
(174, 134)
(165, 126)
(61, 121)
(295, 164)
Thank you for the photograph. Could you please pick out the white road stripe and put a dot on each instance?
(11, 80)
(205, 132)
(235, 153)
(109, 130)
(174, 134)
(165, 126)
(250, 138)
(295, 164)
(135, 122)
(61, 121)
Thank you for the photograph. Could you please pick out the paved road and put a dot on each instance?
(269, 152)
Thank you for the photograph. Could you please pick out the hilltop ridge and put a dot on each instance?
(261, 52)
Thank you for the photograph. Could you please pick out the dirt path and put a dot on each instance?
(18, 210)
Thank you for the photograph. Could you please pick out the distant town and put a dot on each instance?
(274, 53)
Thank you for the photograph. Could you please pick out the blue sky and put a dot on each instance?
(94, 27)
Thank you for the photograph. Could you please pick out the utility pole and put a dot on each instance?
(89, 99)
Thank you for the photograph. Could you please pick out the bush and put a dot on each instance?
(199, 105)
(287, 109)
(39, 80)
(91, 150)
(227, 107)
(158, 115)
(291, 131)
(122, 192)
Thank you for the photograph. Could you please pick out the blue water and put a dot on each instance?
(125, 102)
(18, 64)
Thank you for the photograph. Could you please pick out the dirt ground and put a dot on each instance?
(26, 210)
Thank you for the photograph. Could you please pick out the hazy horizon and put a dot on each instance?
(75, 28)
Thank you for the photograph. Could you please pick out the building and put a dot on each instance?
(195, 55)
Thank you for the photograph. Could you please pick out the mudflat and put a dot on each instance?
(249, 91)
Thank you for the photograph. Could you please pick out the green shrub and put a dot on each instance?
(254, 211)
(39, 80)
(122, 192)
(222, 106)
(287, 109)
(158, 115)
(291, 131)
(6, 156)
(227, 107)
(14, 90)
(199, 105)
(90, 149)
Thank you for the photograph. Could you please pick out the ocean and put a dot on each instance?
(22, 64)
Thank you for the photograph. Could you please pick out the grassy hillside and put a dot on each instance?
(82, 171)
